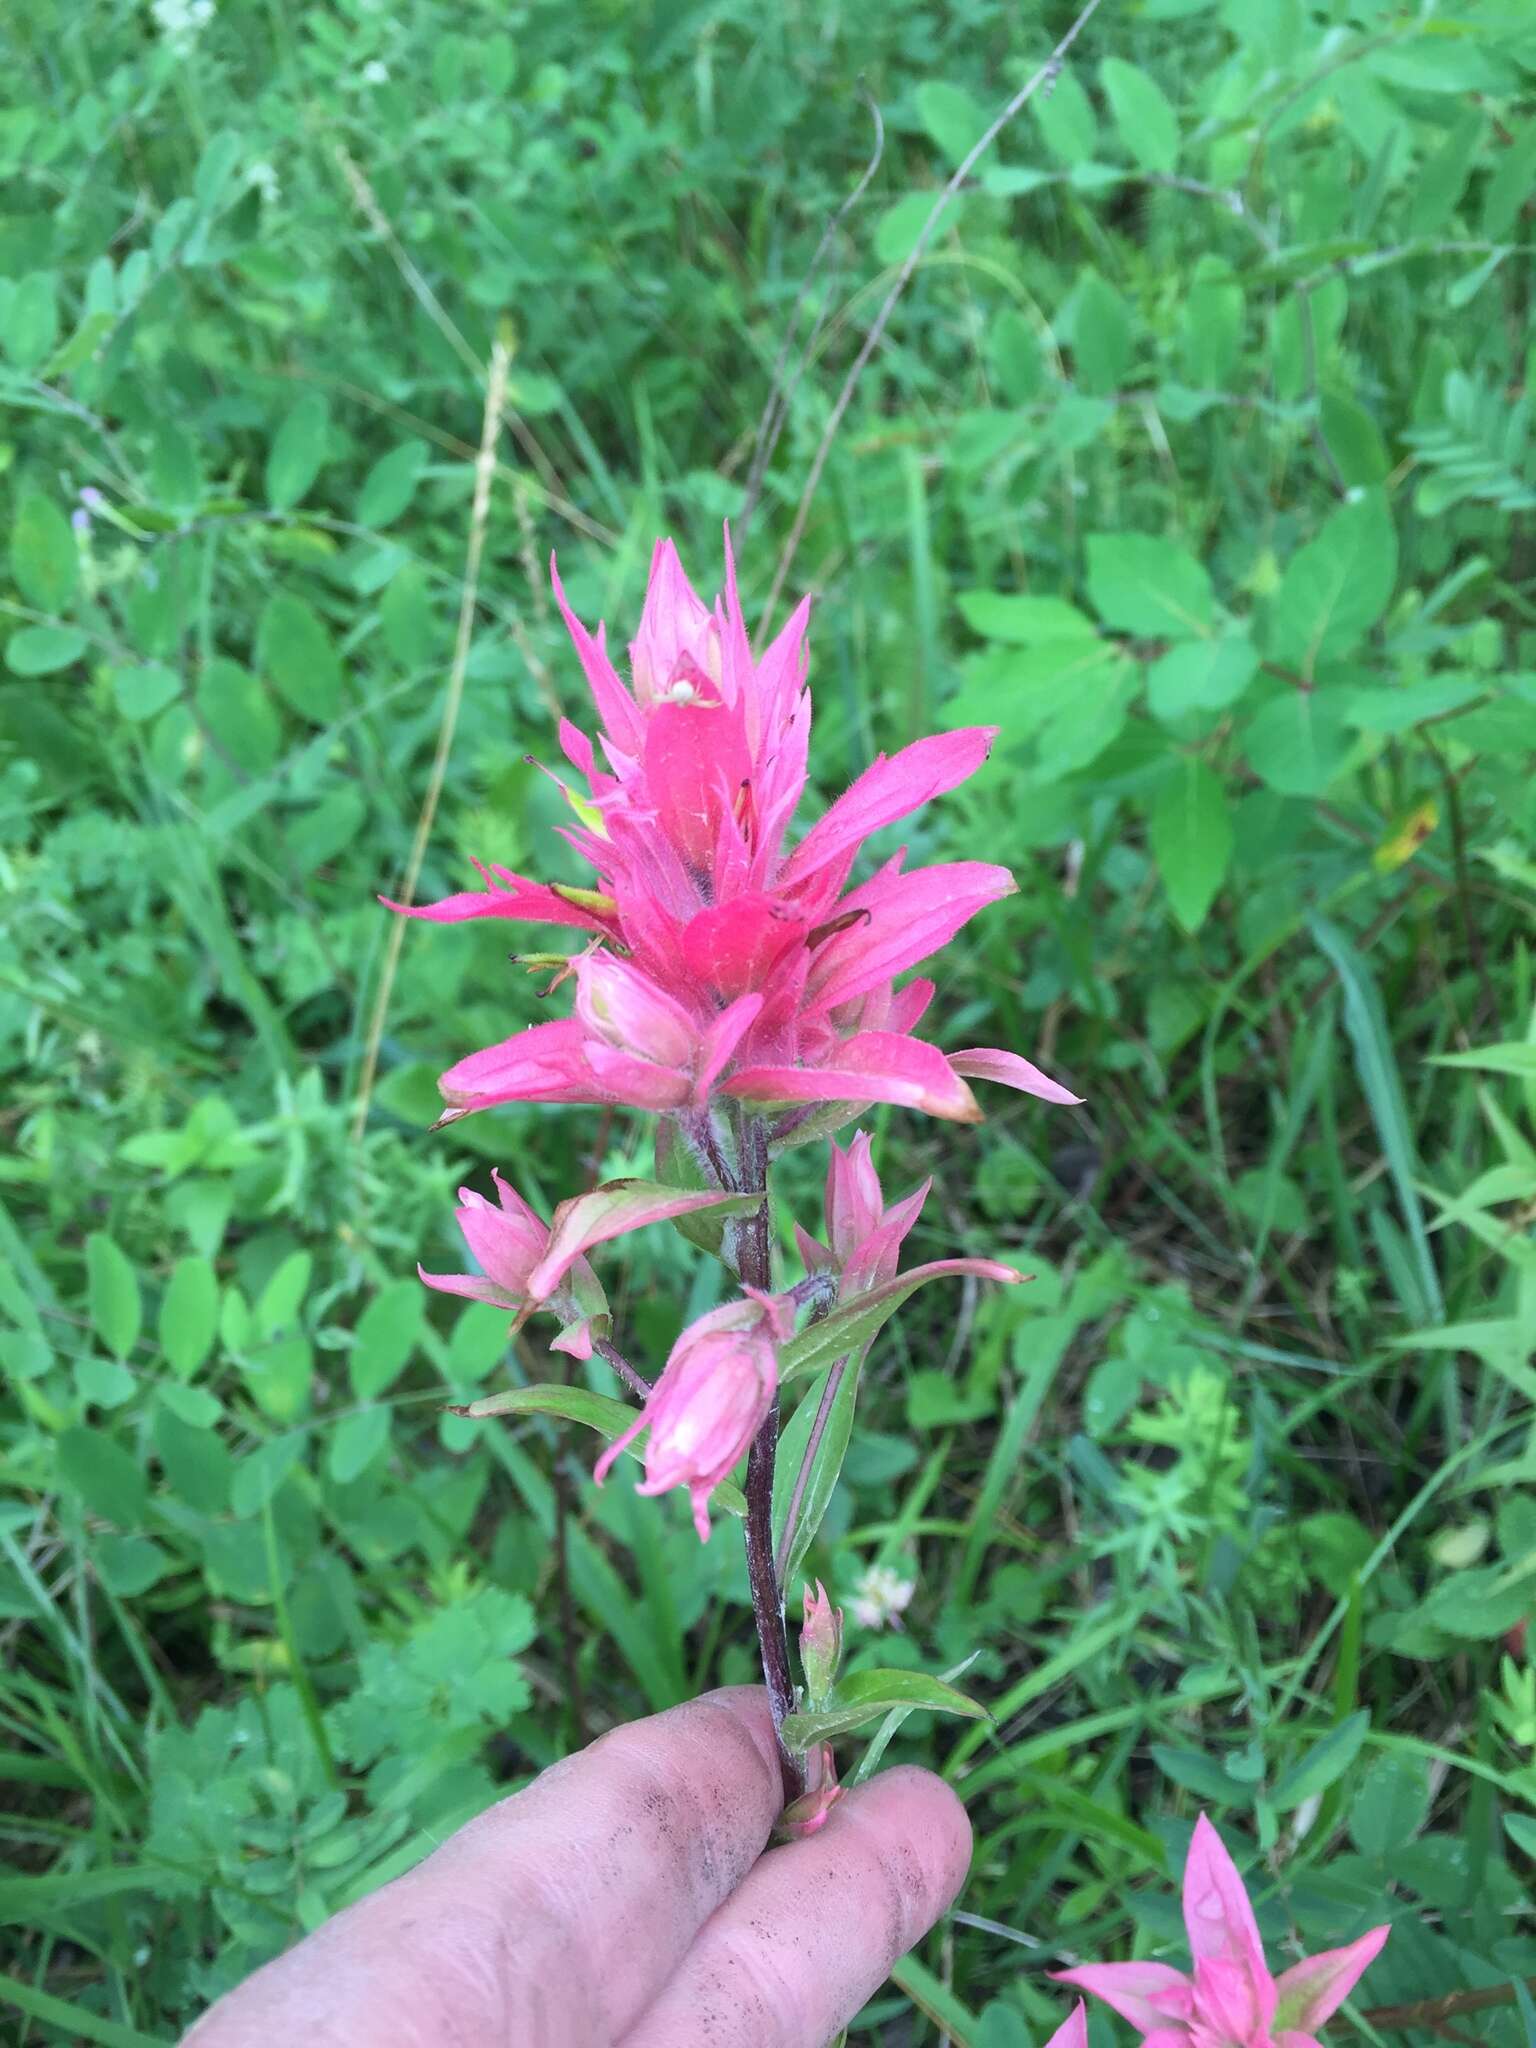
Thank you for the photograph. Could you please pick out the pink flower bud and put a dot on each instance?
(808, 1814)
(821, 1643)
(854, 1201)
(626, 1010)
(709, 1403)
(507, 1241)
(675, 655)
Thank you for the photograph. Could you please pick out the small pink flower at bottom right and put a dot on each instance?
(1231, 1999)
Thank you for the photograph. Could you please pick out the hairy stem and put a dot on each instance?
(611, 1354)
(767, 1602)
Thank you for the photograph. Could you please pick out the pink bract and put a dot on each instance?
(724, 960)
(1231, 1999)
(705, 1409)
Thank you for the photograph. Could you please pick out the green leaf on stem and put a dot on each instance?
(610, 1418)
(868, 1695)
(826, 1463)
(852, 1326)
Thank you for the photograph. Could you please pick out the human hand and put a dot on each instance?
(624, 1900)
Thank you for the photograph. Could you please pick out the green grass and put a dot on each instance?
(1196, 458)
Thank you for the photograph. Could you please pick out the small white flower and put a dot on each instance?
(880, 1597)
(375, 72)
(263, 177)
(181, 22)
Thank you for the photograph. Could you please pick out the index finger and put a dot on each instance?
(553, 1918)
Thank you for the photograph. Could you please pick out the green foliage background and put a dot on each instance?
(1198, 459)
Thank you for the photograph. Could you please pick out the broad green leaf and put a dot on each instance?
(1325, 1762)
(1510, 187)
(215, 167)
(1354, 440)
(29, 323)
(1390, 1806)
(1211, 329)
(1439, 183)
(1337, 586)
(189, 1315)
(109, 1481)
(1191, 837)
(258, 1476)
(358, 1440)
(1140, 584)
(1021, 620)
(140, 693)
(43, 650)
(1148, 126)
(856, 1323)
(239, 716)
(1297, 743)
(951, 117)
(175, 470)
(1200, 1774)
(117, 1312)
(294, 649)
(386, 1336)
(44, 557)
(1018, 363)
(1066, 120)
(130, 1565)
(1200, 675)
(297, 451)
(391, 484)
(317, 835)
(1398, 709)
(1102, 336)
(865, 1696)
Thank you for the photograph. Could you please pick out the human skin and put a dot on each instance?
(628, 1898)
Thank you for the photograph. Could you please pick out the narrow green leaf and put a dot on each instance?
(1376, 1064)
(852, 1326)
(826, 1466)
(866, 1695)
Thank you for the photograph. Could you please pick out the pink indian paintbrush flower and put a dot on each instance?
(527, 1264)
(725, 961)
(1073, 2032)
(1231, 1999)
(717, 1385)
(821, 1643)
(865, 1237)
